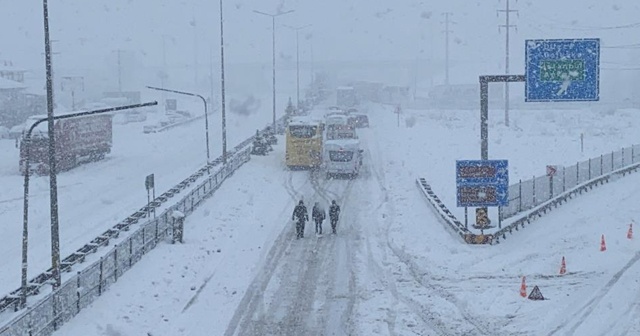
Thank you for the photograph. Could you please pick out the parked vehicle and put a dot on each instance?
(77, 140)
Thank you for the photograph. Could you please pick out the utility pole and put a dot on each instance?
(507, 26)
(446, 50)
(195, 49)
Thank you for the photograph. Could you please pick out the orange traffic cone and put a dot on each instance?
(603, 245)
(563, 267)
(523, 288)
(630, 232)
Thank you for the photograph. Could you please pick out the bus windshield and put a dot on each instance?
(303, 131)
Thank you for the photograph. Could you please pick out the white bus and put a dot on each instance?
(342, 157)
(338, 126)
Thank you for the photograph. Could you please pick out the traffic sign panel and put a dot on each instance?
(482, 183)
(562, 70)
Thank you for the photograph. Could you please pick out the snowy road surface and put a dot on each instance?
(393, 268)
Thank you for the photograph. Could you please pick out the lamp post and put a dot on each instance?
(222, 98)
(53, 181)
(297, 29)
(25, 220)
(206, 117)
(273, 38)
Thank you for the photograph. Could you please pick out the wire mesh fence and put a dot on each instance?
(58, 307)
(528, 194)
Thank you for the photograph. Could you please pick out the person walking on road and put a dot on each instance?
(334, 214)
(300, 215)
(318, 214)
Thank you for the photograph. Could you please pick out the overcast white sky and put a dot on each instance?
(89, 32)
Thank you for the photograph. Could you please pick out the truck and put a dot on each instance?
(346, 97)
(77, 140)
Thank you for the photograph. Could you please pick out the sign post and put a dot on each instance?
(149, 184)
(551, 172)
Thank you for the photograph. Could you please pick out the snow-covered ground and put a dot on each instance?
(393, 268)
(93, 197)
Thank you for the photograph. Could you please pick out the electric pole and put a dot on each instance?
(447, 31)
(507, 26)
(297, 30)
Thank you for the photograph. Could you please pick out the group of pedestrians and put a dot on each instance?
(318, 214)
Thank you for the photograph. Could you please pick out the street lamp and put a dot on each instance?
(273, 24)
(206, 117)
(25, 219)
(297, 29)
(224, 119)
(53, 180)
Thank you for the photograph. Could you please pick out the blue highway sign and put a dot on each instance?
(482, 183)
(562, 70)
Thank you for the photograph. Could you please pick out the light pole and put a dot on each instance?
(273, 38)
(206, 117)
(25, 219)
(53, 181)
(297, 29)
(222, 100)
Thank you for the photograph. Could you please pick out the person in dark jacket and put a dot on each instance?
(300, 215)
(318, 214)
(334, 214)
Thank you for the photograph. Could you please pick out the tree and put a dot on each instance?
(290, 110)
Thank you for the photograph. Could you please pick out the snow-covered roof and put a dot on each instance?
(7, 84)
(303, 121)
(346, 144)
(345, 88)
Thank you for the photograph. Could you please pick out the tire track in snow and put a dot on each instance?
(587, 309)
(252, 298)
(429, 317)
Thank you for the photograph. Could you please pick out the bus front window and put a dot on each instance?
(304, 132)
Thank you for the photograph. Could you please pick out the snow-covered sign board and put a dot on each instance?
(482, 183)
(562, 70)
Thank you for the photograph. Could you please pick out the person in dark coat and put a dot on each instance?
(300, 215)
(318, 214)
(334, 214)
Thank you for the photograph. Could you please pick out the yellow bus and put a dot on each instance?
(304, 143)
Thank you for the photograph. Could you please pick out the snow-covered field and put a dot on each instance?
(95, 196)
(393, 268)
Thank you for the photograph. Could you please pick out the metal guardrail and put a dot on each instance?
(78, 292)
(449, 218)
(102, 240)
(555, 202)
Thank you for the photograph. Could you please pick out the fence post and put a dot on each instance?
(115, 262)
(577, 173)
(622, 157)
(633, 159)
(589, 169)
(157, 220)
(534, 191)
(144, 246)
(78, 286)
(612, 167)
(191, 203)
(564, 180)
(520, 195)
(601, 168)
(100, 279)
(130, 251)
